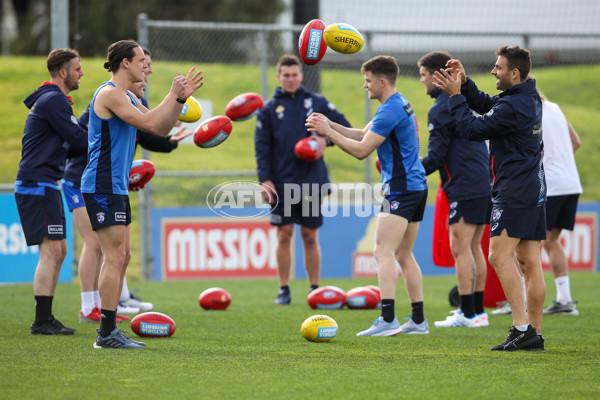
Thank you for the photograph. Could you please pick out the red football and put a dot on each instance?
(153, 324)
(376, 290)
(311, 43)
(310, 148)
(361, 298)
(214, 299)
(378, 164)
(331, 297)
(140, 173)
(213, 131)
(244, 106)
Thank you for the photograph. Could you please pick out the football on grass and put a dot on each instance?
(213, 131)
(327, 297)
(214, 299)
(319, 328)
(153, 324)
(244, 106)
(361, 298)
(311, 44)
(343, 38)
(140, 173)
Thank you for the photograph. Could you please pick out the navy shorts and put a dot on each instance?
(409, 205)
(40, 207)
(107, 209)
(523, 223)
(73, 195)
(306, 212)
(473, 211)
(561, 211)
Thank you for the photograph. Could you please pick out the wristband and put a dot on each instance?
(180, 100)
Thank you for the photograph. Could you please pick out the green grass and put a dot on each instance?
(254, 350)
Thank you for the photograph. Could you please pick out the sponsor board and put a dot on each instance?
(579, 244)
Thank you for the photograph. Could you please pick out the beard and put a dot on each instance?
(72, 83)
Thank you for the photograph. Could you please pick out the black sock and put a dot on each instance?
(108, 322)
(417, 312)
(43, 309)
(478, 303)
(313, 287)
(466, 304)
(387, 310)
(284, 289)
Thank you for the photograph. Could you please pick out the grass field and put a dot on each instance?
(254, 350)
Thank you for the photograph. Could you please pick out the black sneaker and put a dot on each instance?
(116, 340)
(517, 340)
(539, 345)
(284, 298)
(50, 327)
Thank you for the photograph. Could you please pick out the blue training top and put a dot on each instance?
(111, 146)
(401, 169)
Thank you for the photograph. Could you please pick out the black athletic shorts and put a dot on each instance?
(107, 209)
(523, 223)
(40, 207)
(409, 205)
(561, 211)
(473, 211)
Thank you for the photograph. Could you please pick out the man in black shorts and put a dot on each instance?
(51, 132)
(512, 121)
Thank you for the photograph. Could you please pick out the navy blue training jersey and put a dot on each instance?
(401, 169)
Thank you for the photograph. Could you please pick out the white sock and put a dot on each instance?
(124, 291)
(563, 290)
(521, 328)
(97, 300)
(524, 292)
(87, 302)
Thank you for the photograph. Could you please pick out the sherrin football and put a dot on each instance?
(214, 299)
(361, 298)
(153, 324)
(213, 131)
(140, 173)
(311, 44)
(244, 106)
(378, 164)
(327, 297)
(376, 290)
(343, 38)
(319, 328)
(192, 111)
(310, 148)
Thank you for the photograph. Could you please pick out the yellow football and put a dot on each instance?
(319, 328)
(192, 110)
(343, 38)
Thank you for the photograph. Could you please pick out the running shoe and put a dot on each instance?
(50, 327)
(504, 310)
(135, 302)
(284, 298)
(411, 327)
(517, 340)
(116, 340)
(457, 319)
(382, 328)
(565, 309)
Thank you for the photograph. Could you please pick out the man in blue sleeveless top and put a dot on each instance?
(51, 134)
(394, 133)
(115, 115)
(512, 121)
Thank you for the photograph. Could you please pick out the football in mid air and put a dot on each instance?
(213, 131)
(311, 43)
(319, 328)
(214, 299)
(153, 324)
(343, 38)
(244, 106)
(140, 173)
(361, 298)
(327, 297)
(192, 111)
(310, 148)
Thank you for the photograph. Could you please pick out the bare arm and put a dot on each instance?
(574, 137)
(351, 133)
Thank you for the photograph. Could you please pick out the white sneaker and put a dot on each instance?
(123, 309)
(457, 320)
(504, 310)
(482, 319)
(135, 302)
(382, 328)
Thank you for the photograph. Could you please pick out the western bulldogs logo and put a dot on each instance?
(496, 214)
(394, 205)
(100, 217)
(75, 199)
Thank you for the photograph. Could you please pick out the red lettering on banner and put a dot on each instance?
(197, 248)
(364, 265)
(579, 244)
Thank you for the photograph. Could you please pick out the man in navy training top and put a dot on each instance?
(512, 121)
(51, 134)
(279, 126)
(394, 133)
(464, 172)
(115, 116)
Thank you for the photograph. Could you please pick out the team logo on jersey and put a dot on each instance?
(394, 205)
(496, 214)
(74, 120)
(75, 199)
(258, 124)
(430, 126)
(279, 111)
(453, 205)
(331, 106)
(490, 113)
(276, 219)
(100, 217)
(308, 103)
